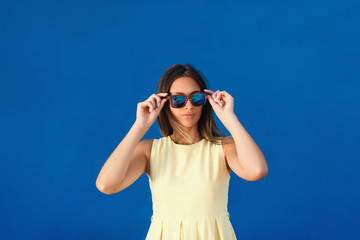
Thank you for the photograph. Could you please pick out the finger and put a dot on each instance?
(145, 105)
(142, 104)
(224, 97)
(211, 100)
(156, 99)
(227, 95)
(162, 103)
(151, 105)
(208, 91)
(162, 94)
(159, 97)
(221, 102)
(220, 96)
(163, 98)
(215, 96)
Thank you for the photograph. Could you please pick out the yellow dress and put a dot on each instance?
(189, 187)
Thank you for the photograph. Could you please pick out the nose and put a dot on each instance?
(188, 104)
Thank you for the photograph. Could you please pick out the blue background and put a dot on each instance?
(72, 73)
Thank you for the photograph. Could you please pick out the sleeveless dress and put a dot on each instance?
(189, 187)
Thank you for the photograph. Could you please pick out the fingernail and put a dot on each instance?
(158, 105)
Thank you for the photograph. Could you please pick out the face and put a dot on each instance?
(186, 85)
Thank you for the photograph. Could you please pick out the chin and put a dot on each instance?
(189, 123)
(186, 125)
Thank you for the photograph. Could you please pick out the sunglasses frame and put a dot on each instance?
(187, 98)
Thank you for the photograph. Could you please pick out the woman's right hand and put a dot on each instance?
(148, 111)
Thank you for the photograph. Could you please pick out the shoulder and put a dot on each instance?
(146, 146)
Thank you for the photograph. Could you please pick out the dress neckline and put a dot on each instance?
(185, 145)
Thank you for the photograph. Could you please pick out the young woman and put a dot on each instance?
(189, 167)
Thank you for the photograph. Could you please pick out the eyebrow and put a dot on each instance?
(184, 93)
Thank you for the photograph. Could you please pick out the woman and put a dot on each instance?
(189, 167)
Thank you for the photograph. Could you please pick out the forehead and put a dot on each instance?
(184, 85)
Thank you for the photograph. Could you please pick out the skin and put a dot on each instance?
(186, 85)
(131, 157)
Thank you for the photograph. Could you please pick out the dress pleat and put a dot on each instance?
(216, 228)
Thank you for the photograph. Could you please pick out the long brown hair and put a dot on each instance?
(167, 122)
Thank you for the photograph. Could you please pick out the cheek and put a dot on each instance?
(200, 110)
(174, 112)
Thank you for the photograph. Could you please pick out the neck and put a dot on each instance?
(193, 132)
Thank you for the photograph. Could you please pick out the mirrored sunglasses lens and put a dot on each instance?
(198, 99)
(178, 101)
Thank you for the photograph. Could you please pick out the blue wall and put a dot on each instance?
(73, 72)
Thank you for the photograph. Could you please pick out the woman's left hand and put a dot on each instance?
(222, 103)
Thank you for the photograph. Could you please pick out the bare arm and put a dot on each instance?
(116, 167)
(130, 154)
(242, 154)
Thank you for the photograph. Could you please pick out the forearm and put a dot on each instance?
(117, 164)
(249, 154)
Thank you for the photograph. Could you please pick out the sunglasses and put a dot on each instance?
(180, 100)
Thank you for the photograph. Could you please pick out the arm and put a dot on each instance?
(115, 168)
(128, 161)
(241, 152)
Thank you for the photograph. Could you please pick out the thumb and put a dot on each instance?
(162, 103)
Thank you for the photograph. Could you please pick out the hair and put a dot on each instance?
(167, 122)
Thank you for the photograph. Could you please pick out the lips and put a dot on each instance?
(187, 115)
